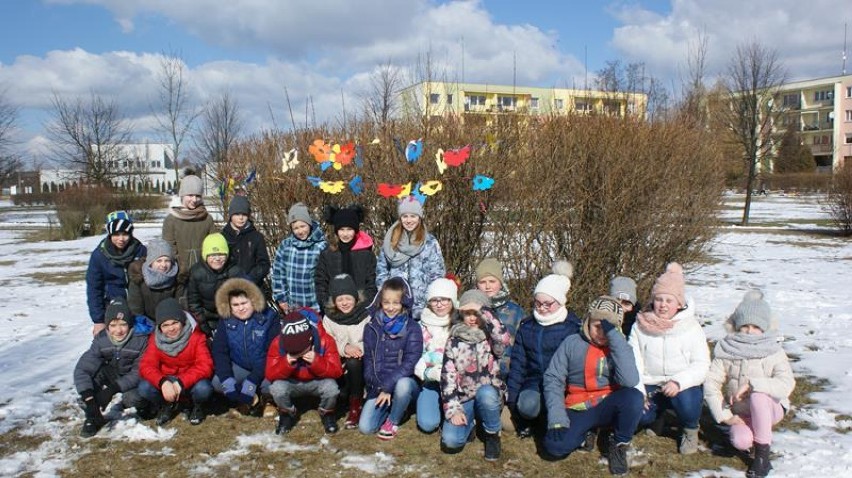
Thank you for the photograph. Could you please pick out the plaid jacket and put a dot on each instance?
(294, 266)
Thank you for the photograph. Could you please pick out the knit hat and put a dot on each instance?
(753, 310)
(119, 221)
(118, 310)
(170, 309)
(558, 284)
(623, 288)
(671, 282)
(191, 184)
(443, 287)
(350, 216)
(489, 267)
(296, 334)
(214, 244)
(158, 248)
(299, 212)
(409, 205)
(603, 308)
(474, 299)
(342, 284)
(239, 205)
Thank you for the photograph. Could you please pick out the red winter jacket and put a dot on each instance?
(326, 363)
(190, 366)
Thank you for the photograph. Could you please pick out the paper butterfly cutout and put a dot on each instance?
(252, 175)
(343, 154)
(289, 160)
(332, 187)
(429, 188)
(439, 160)
(388, 190)
(405, 191)
(416, 193)
(414, 150)
(320, 150)
(356, 185)
(457, 157)
(482, 183)
(314, 180)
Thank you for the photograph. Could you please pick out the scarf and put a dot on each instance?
(120, 343)
(500, 298)
(393, 325)
(354, 317)
(466, 333)
(651, 324)
(430, 318)
(345, 249)
(172, 347)
(120, 258)
(157, 280)
(404, 251)
(185, 214)
(739, 346)
(559, 316)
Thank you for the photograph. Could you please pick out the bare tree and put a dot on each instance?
(9, 162)
(752, 81)
(221, 126)
(623, 84)
(381, 101)
(693, 103)
(174, 109)
(88, 136)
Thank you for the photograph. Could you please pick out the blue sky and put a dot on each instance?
(324, 48)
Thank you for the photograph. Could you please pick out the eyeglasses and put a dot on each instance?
(219, 257)
(439, 300)
(544, 305)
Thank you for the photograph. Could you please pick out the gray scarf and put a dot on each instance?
(156, 280)
(404, 251)
(739, 346)
(172, 347)
(120, 343)
(471, 335)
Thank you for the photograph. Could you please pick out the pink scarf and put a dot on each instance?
(653, 325)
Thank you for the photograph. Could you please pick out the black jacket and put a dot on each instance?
(124, 362)
(248, 250)
(330, 265)
(201, 292)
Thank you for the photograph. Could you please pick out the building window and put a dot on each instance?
(434, 98)
(848, 115)
(474, 100)
(823, 95)
(582, 106)
(534, 103)
(849, 91)
(506, 101)
(559, 103)
(791, 101)
(449, 99)
(848, 138)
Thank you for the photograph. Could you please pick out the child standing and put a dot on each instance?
(294, 267)
(187, 225)
(437, 318)
(411, 252)
(470, 378)
(750, 380)
(393, 344)
(246, 245)
(206, 277)
(350, 252)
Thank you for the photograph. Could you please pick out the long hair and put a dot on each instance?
(419, 234)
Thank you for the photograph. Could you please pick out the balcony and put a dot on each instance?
(821, 149)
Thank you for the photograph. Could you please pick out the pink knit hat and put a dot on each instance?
(671, 282)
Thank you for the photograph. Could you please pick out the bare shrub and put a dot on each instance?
(799, 182)
(82, 210)
(839, 201)
(141, 207)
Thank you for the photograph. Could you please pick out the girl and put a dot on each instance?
(672, 356)
(436, 319)
(294, 267)
(188, 224)
(410, 252)
(489, 279)
(153, 280)
(106, 276)
(470, 378)
(392, 345)
(205, 278)
(345, 318)
(750, 380)
(350, 252)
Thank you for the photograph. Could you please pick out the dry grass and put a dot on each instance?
(58, 278)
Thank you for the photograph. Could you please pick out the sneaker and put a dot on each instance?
(492, 446)
(524, 432)
(688, 442)
(388, 431)
(617, 457)
(167, 412)
(590, 441)
(328, 422)
(286, 421)
(91, 426)
(197, 415)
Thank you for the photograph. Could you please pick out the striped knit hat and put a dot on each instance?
(119, 221)
(603, 308)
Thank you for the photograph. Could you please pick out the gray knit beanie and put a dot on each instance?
(158, 248)
(239, 205)
(409, 205)
(170, 309)
(623, 288)
(753, 310)
(474, 299)
(191, 184)
(299, 212)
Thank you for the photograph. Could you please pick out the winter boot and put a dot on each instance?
(94, 419)
(688, 441)
(760, 466)
(256, 408)
(590, 441)
(492, 446)
(197, 415)
(524, 428)
(617, 457)
(329, 423)
(354, 414)
(286, 421)
(167, 412)
(146, 411)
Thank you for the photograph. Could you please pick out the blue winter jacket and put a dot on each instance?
(531, 353)
(294, 268)
(106, 278)
(419, 271)
(244, 343)
(510, 314)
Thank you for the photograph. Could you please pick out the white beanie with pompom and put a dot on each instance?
(558, 283)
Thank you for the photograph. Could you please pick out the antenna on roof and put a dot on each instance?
(844, 48)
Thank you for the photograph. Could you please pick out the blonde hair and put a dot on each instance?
(419, 234)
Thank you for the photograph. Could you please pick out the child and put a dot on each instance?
(672, 356)
(537, 339)
(206, 277)
(590, 383)
(106, 276)
(187, 225)
(750, 380)
(489, 279)
(436, 319)
(350, 252)
(153, 280)
(410, 252)
(239, 349)
(471, 386)
(303, 361)
(176, 363)
(110, 366)
(624, 289)
(345, 318)
(294, 268)
(393, 344)
(246, 245)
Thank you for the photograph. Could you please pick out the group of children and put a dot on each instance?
(380, 336)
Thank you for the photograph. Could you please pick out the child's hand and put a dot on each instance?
(734, 420)
(742, 393)
(459, 419)
(670, 388)
(284, 307)
(291, 359)
(383, 399)
(97, 328)
(352, 351)
(309, 356)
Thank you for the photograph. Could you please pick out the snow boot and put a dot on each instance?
(617, 457)
(167, 412)
(760, 466)
(286, 421)
(492, 446)
(688, 442)
(329, 423)
(590, 441)
(197, 415)
(354, 413)
(94, 420)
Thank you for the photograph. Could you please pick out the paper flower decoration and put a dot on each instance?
(320, 150)
(457, 157)
(405, 191)
(429, 188)
(417, 194)
(482, 183)
(389, 190)
(289, 160)
(439, 160)
(414, 150)
(356, 185)
(343, 154)
(332, 187)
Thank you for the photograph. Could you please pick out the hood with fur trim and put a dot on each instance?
(223, 305)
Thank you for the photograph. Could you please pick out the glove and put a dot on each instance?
(247, 392)
(105, 394)
(229, 386)
(607, 326)
(143, 325)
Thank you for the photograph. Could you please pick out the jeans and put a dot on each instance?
(764, 411)
(200, 392)
(529, 404)
(686, 404)
(429, 407)
(326, 389)
(621, 409)
(486, 405)
(240, 374)
(373, 417)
